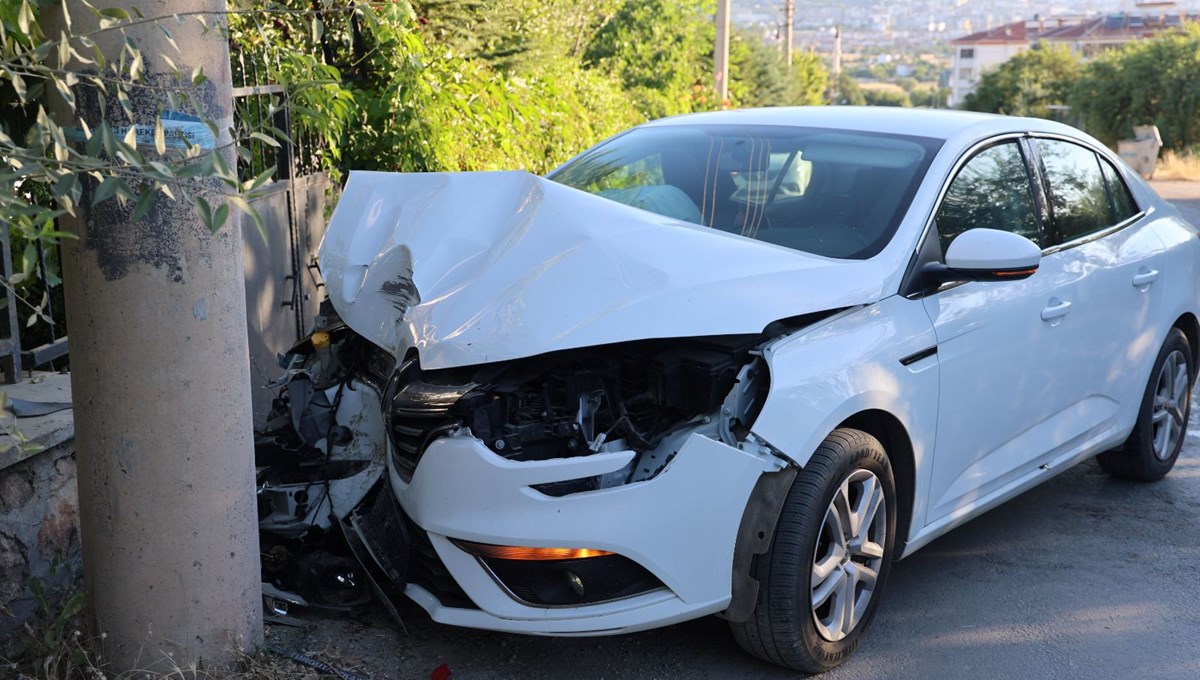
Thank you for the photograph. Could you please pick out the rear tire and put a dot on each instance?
(1154, 445)
(824, 573)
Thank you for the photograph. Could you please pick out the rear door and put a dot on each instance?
(1113, 269)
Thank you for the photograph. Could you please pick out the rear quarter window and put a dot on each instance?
(1123, 205)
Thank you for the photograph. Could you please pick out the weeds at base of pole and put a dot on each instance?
(76, 658)
(53, 646)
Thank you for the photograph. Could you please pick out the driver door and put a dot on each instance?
(998, 342)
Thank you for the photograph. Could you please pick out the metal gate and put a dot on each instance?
(283, 286)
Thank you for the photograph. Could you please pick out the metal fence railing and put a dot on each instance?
(13, 358)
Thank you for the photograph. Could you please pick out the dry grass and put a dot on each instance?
(54, 646)
(76, 658)
(1182, 165)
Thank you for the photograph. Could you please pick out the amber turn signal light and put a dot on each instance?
(515, 552)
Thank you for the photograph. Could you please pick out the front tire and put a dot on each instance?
(1154, 445)
(824, 573)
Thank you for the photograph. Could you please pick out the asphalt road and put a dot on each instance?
(1083, 577)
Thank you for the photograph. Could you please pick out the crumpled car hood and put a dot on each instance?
(478, 267)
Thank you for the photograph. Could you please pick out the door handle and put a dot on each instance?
(1145, 277)
(1055, 310)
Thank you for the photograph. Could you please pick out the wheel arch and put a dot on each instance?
(890, 432)
(1191, 328)
(766, 503)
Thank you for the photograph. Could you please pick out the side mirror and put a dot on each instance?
(986, 255)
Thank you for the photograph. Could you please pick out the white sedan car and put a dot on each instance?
(738, 363)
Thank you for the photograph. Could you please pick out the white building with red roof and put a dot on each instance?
(977, 53)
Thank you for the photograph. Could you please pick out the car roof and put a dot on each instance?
(932, 123)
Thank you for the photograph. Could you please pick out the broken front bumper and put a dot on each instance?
(680, 526)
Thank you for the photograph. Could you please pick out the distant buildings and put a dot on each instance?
(980, 52)
(977, 53)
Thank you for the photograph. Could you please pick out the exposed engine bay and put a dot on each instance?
(630, 396)
(330, 531)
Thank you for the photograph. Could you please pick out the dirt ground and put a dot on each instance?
(1083, 577)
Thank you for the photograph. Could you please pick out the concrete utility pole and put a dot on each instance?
(789, 30)
(161, 382)
(721, 52)
(837, 62)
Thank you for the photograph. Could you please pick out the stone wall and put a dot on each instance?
(39, 509)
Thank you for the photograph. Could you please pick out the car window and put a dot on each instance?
(992, 191)
(639, 182)
(1078, 195)
(1123, 205)
(834, 193)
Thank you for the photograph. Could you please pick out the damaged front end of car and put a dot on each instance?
(629, 406)
(333, 529)
(521, 415)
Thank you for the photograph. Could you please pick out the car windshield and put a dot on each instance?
(828, 192)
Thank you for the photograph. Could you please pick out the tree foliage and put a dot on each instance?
(432, 85)
(849, 93)
(1028, 83)
(759, 76)
(515, 35)
(808, 81)
(660, 51)
(52, 159)
(69, 138)
(1145, 81)
(416, 103)
(886, 97)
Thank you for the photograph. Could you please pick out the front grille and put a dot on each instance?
(411, 435)
(417, 414)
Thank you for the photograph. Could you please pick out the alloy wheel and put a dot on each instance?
(1170, 404)
(848, 555)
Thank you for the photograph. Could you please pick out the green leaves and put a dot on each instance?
(1146, 81)
(108, 149)
(145, 201)
(219, 217)
(269, 141)
(1028, 83)
(118, 154)
(206, 215)
(107, 189)
(660, 50)
(212, 218)
(25, 18)
(115, 13)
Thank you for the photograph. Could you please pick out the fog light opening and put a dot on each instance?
(574, 581)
